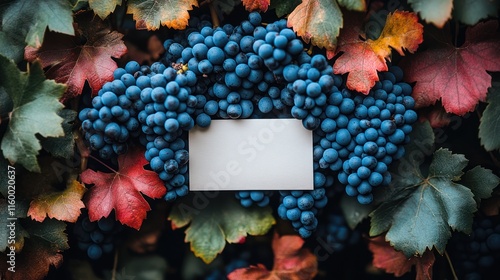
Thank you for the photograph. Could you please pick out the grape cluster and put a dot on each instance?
(302, 207)
(96, 238)
(254, 71)
(363, 135)
(113, 119)
(476, 256)
(248, 198)
(337, 233)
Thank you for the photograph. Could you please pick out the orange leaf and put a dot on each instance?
(63, 206)
(150, 14)
(256, 5)
(291, 261)
(392, 261)
(122, 190)
(318, 22)
(363, 58)
(73, 63)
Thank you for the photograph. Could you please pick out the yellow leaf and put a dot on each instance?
(63, 206)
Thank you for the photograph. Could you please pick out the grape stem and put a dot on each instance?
(213, 12)
(455, 277)
(101, 162)
(84, 151)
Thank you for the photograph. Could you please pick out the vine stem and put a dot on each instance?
(455, 277)
(115, 264)
(213, 14)
(5, 117)
(84, 152)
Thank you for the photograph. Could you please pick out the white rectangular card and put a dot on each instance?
(251, 154)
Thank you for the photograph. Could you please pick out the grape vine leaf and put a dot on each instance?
(256, 5)
(284, 7)
(62, 146)
(150, 14)
(435, 12)
(354, 212)
(471, 12)
(6, 216)
(317, 22)
(425, 205)
(104, 8)
(41, 250)
(72, 63)
(32, 18)
(490, 120)
(291, 261)
(481, 181)
(215, 221)
(121, 190)
(62, 206)
(35, 106)
(226, 6)
(353, 5)
(392, 261)
(11, 46)
(456, 75)
(363, 58)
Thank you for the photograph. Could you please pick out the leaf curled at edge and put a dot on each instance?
(150, 14)
(121, 190)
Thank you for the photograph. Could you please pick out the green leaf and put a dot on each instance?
(7, 216)
(11, 45)
(422, 211)
(354, 5)
(354, 212)
(226, 6)
(471, 12)
(215, 221)
(62, 146)
(432, 11)
(104, 8)
(31, 18)
(283, 7)
(150, 14)
(36, 103)
(481, 181)
(489, 128)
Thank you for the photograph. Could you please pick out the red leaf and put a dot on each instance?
(363, 58)
(256, 5)
(392, 261)
(72, 62)
(122, 190)
(291, 261)
(456, 75)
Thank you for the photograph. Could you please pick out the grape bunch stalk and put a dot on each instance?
(254, 70)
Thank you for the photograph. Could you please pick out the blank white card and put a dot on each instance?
(255, 154)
